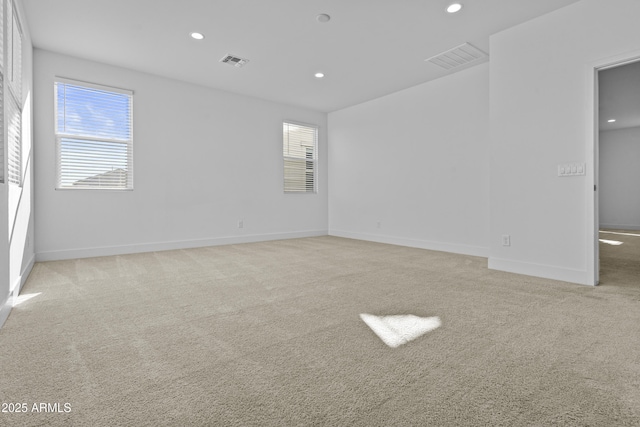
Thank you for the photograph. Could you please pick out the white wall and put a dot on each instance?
(620, 179)
(16, 202)
(203, 159)
(540, 116)
(416, 161)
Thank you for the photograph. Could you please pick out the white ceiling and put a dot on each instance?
(368, 49)
(619, 98)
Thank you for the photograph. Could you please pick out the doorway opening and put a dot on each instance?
(617, 173)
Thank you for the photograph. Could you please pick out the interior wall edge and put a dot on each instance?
(580, 277)
(16, 288)
(24, 275)
(5, 309)
(171, 245)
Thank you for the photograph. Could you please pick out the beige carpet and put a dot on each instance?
(620, 258)
(269, 334)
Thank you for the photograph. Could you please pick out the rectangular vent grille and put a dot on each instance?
(460, 55)
(234, 60)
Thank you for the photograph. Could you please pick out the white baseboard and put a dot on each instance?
(5, 309)
(166, 246)
(20, 281)
(540, 270)
(7, 305)
(619, 227)
(415, 243)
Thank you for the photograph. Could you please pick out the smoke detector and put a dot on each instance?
(464, 54)
(233, 60)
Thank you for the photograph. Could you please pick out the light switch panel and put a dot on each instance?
(571, 169)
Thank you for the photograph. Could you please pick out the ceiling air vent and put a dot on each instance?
(461, 55)
(234, 60)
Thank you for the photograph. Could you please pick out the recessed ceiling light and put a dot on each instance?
(611, 121)
(323, 17)
(319, 75)
(197, 36)
(454, 7)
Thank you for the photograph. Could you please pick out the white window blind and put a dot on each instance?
(14, 100)
(2, 171)
(94, 136)
(14, 51)
(300, 146)
(2, 127)
(14, 139)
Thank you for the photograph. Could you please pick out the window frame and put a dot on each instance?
(4, 149)
(59, 136)
(13, 168)
(313, 160)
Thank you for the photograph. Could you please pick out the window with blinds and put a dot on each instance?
(94, 136)
(300, 146)
(13, 102)
(2, 171)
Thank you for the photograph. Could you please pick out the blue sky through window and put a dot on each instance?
(93, 113)
(94, 130)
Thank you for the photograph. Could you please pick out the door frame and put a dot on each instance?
(593, 157)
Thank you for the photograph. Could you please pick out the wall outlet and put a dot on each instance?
(506, 240)
(241, 223)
